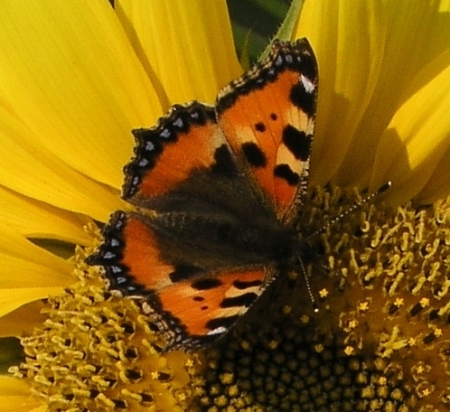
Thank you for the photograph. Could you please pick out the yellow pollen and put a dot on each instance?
(399, 302)
(349, 350)
(319, 348)
(363, 306)
(287, 309)
(323, 293)
(424, 302)
(273, 344)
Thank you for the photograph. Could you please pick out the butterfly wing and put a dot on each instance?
(183, 141)
(190, 306)
(271, 110)
(184, 162)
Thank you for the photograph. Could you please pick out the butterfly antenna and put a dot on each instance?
(308, 286)
(330, 222)
(351, 209)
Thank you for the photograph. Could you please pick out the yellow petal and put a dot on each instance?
(30, 169)
(70, 74)
(12, 386)
(39, 220)
(347, 37)
(438, 185)
(403, 56)
(186, 48)
(25, 264)
(11, 299)
(21, 272)
(417, 138)
(29, 272)
(23, 320)
(15, 396)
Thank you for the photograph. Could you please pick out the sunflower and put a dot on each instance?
(78, 77)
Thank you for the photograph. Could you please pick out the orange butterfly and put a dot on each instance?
(217, 190)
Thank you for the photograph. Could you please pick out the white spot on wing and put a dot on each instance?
(217, 331)
(307, 84)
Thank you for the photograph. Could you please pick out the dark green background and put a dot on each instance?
(258, 20)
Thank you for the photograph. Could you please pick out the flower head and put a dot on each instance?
(78, 78)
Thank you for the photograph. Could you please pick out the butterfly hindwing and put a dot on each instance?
(130, 255)
(268, 117)
(190, 306)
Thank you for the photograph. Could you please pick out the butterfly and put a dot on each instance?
(217, 191)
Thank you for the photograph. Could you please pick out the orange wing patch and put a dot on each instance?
(131, 256)
(141, 255)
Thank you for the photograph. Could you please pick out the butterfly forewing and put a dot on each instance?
(268, 117)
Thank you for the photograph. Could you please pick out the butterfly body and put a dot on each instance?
(217, 191)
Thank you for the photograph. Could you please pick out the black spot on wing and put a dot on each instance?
(304, 100)
(224, 162)
(285, 172)
(273, 116)
(183, 272)
(242, 300)
(297, 141)
(260, 127)
(254, 154)
(239, 284)
(205, 284)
